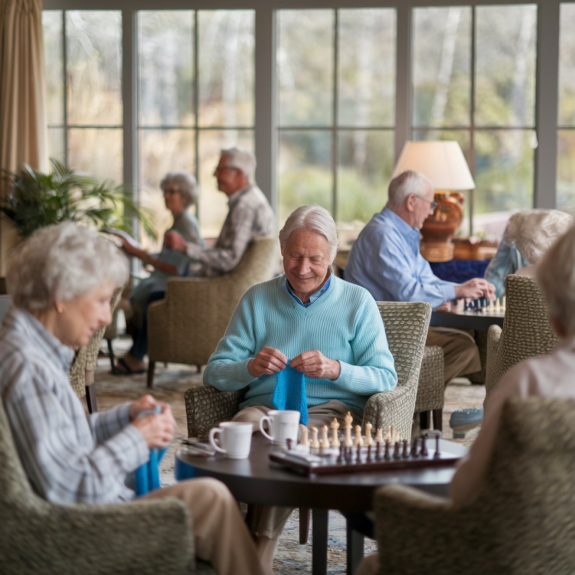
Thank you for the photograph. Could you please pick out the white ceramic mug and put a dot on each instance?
(283, 425)
(235, 439)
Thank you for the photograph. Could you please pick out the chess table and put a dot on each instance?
(258, 481)
(470, 319)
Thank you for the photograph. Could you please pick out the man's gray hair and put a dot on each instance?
(60, 263)
(314, 219)
(534, 231)
(186, 183)
(555, 273)
(408, 182)
(242, 159)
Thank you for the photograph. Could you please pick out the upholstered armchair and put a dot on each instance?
(522, 519)
(526, 330)
(146, 537)
(406, 328)
(187, 325)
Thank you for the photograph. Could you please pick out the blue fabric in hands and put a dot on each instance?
(147, 476)
(290, 392)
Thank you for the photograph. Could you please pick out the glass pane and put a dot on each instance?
(305, 67)
(505, 68)
(441, 66)
(503, 174)
(366, 160)
(213, 204)
(567, 66)
(96, 151)
(226, 75)
(566, 170)
(305, 174)
(94, 72)
(56, 145)
(163, 151)
(366, 67)
(166, 56)
(53, 62)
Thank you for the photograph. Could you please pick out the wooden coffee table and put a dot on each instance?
(256, 481)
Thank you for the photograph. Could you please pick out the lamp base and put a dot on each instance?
(437, 251)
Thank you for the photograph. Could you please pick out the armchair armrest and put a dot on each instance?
(206, 407)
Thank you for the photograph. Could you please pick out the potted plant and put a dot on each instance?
(36, 199)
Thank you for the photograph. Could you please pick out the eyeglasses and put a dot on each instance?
(171, 191)
(433, 205)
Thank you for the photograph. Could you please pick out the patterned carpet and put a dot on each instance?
(170, 384)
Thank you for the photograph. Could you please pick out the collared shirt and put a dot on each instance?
(314, 296)
(386, 261)
(69, 457)
(250, 216)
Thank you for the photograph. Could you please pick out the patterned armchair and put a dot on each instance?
(406, 328)
(36, 536)
(526, 330)
(522, 519)
(186, 326)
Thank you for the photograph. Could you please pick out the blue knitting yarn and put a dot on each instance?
(289, 392)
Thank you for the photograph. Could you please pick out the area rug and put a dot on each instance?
(172, 381)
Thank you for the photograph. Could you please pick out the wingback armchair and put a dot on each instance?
(146, 537)
(186, 326)
(522, 519)
(406, 329)
(526, 330)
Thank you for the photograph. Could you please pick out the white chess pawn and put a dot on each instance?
(324, 443)
(379, 435)
(368, 437)
(334, 429)
(314, 443)
(303, 440)
(503, 302)
(358, 440)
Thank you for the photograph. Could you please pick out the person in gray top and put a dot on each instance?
(61, 282)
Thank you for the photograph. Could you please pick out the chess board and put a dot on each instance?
(362, 459)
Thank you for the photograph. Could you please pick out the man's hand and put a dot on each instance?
(175, 241)
(267, 362)
(315, 364)
(475, 289)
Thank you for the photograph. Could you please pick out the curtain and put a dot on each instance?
(23, 128)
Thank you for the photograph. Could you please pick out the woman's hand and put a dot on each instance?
(267, 362)
(157, 429)
(315, 364)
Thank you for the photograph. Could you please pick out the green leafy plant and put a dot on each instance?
(38, 199)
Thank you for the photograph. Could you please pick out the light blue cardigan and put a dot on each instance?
(344, 324)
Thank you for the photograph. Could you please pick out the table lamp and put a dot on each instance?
(444, 164)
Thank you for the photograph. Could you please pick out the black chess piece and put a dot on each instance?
(387, 455)
(358, 454)
(414, 448)
(288, 441)
(405, 449)
(378, 451)
(424, 452)
(369, 453)
(396, 452)
(340, 457)
(437, 454)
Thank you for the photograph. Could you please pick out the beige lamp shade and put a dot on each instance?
(442, 162)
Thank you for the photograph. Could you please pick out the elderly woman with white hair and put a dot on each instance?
(528, 235)
(180, 192)
(61, 282)
(323, 327)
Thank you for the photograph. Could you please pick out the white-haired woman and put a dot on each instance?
(180, 192)
(326, 328)
(528, 235)
(61, 282)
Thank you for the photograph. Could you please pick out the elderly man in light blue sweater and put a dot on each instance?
(328, 329)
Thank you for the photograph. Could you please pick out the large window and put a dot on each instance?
(84, 89)
(336, 76)
(196, 96)
(474, 82)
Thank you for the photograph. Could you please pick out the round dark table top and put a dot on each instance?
(256, 480)
(478, 320)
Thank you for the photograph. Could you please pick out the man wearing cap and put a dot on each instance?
(250, 216)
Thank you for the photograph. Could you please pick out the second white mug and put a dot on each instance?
(283, 425)
(235, 439)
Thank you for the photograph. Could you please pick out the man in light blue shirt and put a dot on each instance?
(386, 261)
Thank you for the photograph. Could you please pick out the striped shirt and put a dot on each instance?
(250, 216)
(69, 457)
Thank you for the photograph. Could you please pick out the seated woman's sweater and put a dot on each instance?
(343, 324)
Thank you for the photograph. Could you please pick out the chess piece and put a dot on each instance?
(314, 443)
(503, 303)
(303, 436)
(414, 448)
(424, 452)
(358, 454)
(368, 438)
(378, 451)
(341, 456)
(347, 430)
(358, 440)
(396, 454)
(405, 449)
(387, 455)
(324, 443)
(288, 443)
(497, 306)
(334, 429)
(379, 435)
(369, 453)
